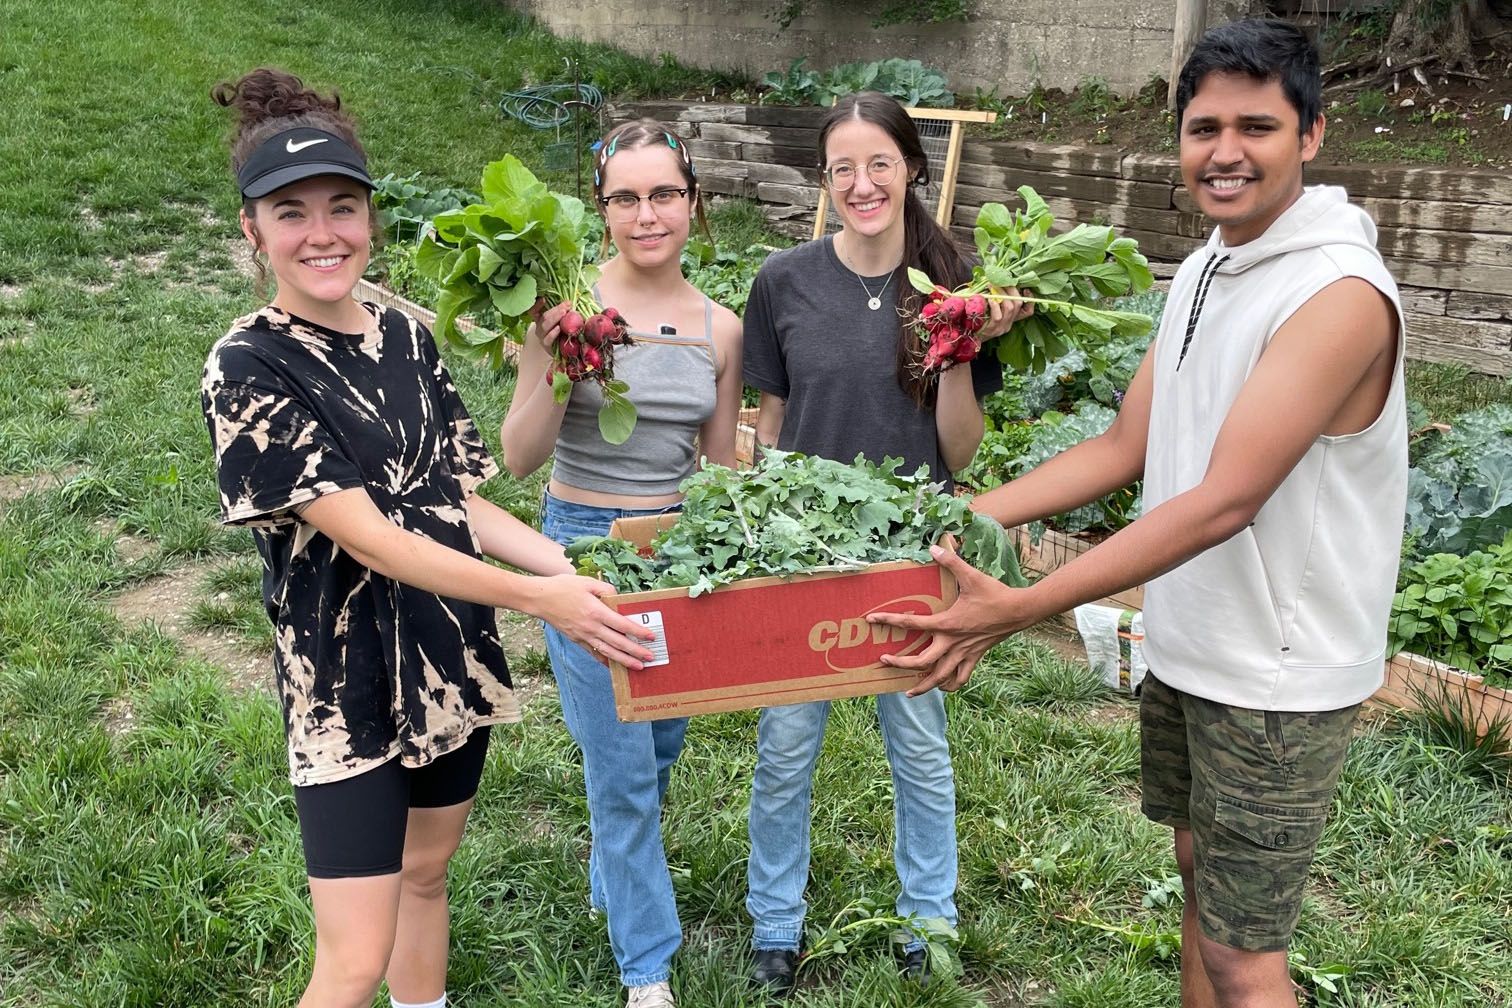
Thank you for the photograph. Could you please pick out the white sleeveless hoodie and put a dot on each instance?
(1290, 613)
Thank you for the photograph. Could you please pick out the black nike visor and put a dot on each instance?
(295, 155)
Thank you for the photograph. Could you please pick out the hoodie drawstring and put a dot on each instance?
(1204, 281)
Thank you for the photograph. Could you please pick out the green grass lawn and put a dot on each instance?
(149, 853)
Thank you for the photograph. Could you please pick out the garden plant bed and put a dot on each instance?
(1413, 682)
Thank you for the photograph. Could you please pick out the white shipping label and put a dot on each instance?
(657, 645)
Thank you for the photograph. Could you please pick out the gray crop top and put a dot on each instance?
(672, 384)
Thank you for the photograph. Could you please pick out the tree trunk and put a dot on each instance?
(1191, 21)
(1424, 35)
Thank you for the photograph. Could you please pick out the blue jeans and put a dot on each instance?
(626, 768)
(924, 845)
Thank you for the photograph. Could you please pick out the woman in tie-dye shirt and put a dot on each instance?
(341, 442)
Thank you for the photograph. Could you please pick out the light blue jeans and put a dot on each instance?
(924, 838)
(626, 768)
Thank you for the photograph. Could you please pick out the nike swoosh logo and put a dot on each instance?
(295, 148)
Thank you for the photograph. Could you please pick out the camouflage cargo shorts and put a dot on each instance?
(1254, 787)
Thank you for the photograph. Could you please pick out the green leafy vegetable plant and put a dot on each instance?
(1070, 276)
(1459, 492)
(406, 208)
(908, 80)
(1047, 437)
(792, 514)
(524, 243)
(1458, 610)
(726, 277)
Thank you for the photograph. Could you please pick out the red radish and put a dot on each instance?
(600, 329)
(570, 348)
(965, 350)
(976, 309)
(592, 358)
(572, 323)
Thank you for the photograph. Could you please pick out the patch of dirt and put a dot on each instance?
(119, 716)
(129, 548)
(14, 486)
(1449, 122)
(1060, 638)
(166, 601)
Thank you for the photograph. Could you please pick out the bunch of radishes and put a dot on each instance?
(585, 348)
(948, 324)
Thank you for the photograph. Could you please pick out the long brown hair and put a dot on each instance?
(268, 101)
(926, 245)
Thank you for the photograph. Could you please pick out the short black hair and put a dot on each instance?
(1265, 49)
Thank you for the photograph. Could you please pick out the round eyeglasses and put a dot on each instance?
(626, 206)
(881, 170)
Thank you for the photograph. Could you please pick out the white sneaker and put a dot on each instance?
(657, 995)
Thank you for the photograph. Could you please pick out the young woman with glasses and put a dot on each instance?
(684, 375)
(839, 376)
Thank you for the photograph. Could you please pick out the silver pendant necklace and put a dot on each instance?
(873, 301)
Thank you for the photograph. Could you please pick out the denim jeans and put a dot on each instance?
(626, 768)
(924, 845)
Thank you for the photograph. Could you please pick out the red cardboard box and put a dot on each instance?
(768, 641)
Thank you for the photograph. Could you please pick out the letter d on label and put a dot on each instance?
(854, 632)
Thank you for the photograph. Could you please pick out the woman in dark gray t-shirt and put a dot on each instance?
(839, 376)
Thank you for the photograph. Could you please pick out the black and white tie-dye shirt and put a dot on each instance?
(368, 668)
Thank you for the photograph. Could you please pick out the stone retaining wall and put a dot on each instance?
(1445, 233)
(1009, 47)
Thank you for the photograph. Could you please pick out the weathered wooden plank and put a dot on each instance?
(1475, 305)
(1164, 168)
(1069, 212)
(722, 149)
(781, 136)
(724, 185)
(1437, 216)
(795, 116)
(1483, 346)
(1405, 214)
(755, 171)
(1445, 246)
(1423, 300)
(1084, 187)
(1460, 185)
(797, 157)
(675, 112)
(806, 196)
(1044, 157)
(1452, 276)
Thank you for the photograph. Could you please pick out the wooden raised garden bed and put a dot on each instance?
(1413, 682)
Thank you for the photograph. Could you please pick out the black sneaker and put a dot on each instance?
(916, 966)
(774, 970)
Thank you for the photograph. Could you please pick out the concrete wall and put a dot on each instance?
(1444, 232)
(1010, 46)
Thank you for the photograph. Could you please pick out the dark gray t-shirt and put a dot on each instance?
(811, 340)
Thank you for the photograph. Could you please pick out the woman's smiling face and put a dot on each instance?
(867, 209)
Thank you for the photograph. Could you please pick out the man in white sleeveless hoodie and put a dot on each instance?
(1268, 422)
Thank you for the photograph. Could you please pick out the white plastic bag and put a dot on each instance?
(1114, 639)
